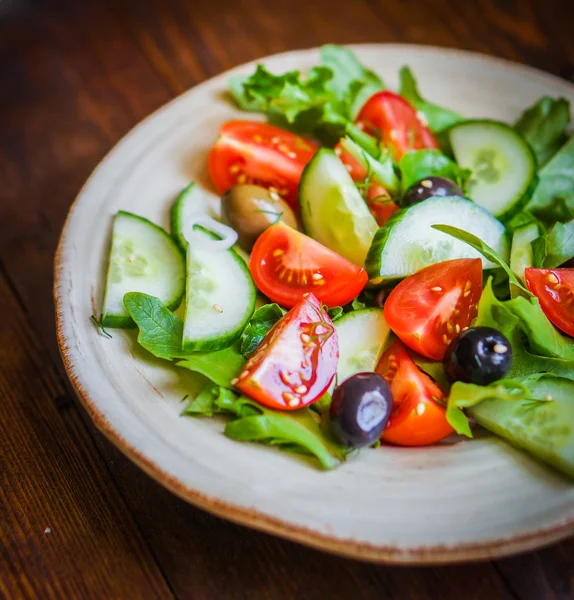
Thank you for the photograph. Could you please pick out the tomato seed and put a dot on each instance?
(551, 278)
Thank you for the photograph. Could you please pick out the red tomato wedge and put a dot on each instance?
(285, 264)
(296, 361)
(417, 418)
(251, 152)
(391, 118)
(554, 289)
(428, 309)
(380, 203)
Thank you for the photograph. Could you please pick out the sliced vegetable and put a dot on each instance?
(251, 152)
(428, 309)
(296, 361)
(286, 264)
(380, 204)
(502, 163)
(143, 258)
(417, 418)
(407, 242)
(260, 323)
(554, 288)
(190, 203)
(332, 209)
(535, 413)
(396, 123)
(363, 335)
(220, 295)
(521, 251)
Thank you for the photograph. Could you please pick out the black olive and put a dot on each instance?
(360, 409)
(430, 186)
(478, 355)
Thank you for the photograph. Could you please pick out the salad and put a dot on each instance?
(379, 270)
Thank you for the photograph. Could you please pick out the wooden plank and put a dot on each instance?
(65, 531)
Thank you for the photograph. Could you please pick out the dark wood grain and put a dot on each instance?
(75, 77)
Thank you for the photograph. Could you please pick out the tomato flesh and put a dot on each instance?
(417, 418)
(391, 118)
(261, 154)
(296, 361)
(554, 289)
(428, 309)
(285, 264)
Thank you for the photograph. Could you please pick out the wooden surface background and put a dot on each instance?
(77, 519)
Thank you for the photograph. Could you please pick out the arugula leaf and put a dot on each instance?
(543, 126)
(381, 169)
(294, 431)
(553, 198)
(534, 413)
(484, 249)
(418, 164)
(260, 323)
(554, 248)
(437, 118)
(160, 330)
(221, 366)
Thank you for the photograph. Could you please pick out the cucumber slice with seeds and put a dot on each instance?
(143, 258)
(220, 295)
(502, 163)
(407, 243)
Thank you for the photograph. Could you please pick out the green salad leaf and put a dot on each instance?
(536, 345)
(335, 313)
(554, 248)
(553, 198)
(535, 413)
(380, 168)
(543, 126)
(418, 164)
(322, 102)
(221, 366)
(294, 431)
(484, 249)
(160, 330)
(260, 323)
(437, 118)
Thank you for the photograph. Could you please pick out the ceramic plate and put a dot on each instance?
(472, 500)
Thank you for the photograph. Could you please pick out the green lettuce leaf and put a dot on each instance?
(554, 248)
(294, 431)
(418, 164)
(438, 118)
(160, 330)
(543, 126)
(221, 366)
(379, 169)
(535, 413)
(260, 323)
(553, 198)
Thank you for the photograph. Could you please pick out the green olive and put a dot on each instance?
(251, 209)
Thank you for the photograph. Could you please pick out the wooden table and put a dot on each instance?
(77, 519)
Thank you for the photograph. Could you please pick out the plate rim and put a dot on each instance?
(251, 517)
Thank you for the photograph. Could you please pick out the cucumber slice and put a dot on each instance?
(363, 335)
(521, 250)
(191, 201)
(407, 243)
(332, 209)
(502, 163)
(220, 296)
(143, 258)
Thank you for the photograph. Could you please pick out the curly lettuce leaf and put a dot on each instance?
(437, 117)
(543, 126)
